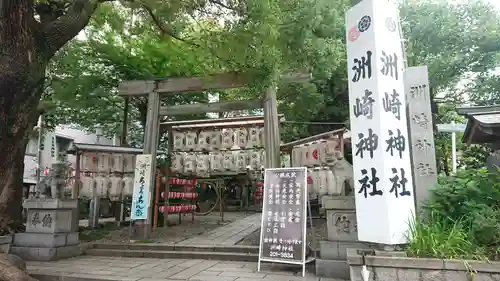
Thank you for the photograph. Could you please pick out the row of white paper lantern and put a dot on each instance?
(106, 187)
(224, 139)
(235, 161)
(108, 162)
(326, 181)
(316, 153)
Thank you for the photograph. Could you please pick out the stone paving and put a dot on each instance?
(140, 269)
(227, 235)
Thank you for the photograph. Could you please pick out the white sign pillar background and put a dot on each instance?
(381, 160)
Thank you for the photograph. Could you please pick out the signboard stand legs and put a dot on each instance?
(283, 235)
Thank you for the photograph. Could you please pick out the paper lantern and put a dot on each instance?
(227, 139)
(215, 140)
(215, 162)
(202, 164)
(117, 163)
(203, 140)
(190, 140)
(227, 161)
(128, 185)
(178, 143)
(87, 190)
(241, 137)
(189, 163)
(116, 188)
(253, 138)
(176, 163)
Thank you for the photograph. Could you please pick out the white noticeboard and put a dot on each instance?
(140, 196)
(284, 214)
(380, 148)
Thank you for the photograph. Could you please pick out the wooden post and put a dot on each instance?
(150, 147)
(95, 204)
(170, 145)
(123, 140)
(221, 198)
(271, 128)
(157, 199)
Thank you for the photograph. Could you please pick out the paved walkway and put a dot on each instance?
(229, 234)
(140, 269)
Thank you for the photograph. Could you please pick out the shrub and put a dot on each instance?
(434, 238)
(473, 197)
(462, 220)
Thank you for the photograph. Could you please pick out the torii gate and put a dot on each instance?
(155, 88)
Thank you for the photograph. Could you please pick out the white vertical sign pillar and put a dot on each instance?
(381, 159)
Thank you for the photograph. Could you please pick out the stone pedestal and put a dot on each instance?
(50, 233)
(5, 242)
(342, 234)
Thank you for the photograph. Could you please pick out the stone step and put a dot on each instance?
(204, 255)
(170, 247)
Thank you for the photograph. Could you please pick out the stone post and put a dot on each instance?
(342, 234)
(50, 232)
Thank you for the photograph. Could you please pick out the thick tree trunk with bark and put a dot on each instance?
(22, 73)
(26, 46)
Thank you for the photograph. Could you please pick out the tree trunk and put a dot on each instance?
(18, 114)
(22, 75)
(11, 185)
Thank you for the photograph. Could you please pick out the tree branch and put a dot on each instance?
(164, 28)
(167, 30)
(58, 32)
(217, 2)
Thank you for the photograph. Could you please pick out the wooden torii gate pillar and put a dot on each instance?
(155, 88)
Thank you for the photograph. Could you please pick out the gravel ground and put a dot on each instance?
(319, 233)
(172, 234)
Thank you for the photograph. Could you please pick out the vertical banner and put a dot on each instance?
(423, 151)
(284, 216)
(380, 148)
(140, 196)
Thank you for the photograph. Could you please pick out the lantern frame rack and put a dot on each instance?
(80, 149)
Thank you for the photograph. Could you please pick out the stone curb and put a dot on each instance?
(423, 263)
(224, 256)
(173, 247)
(46, 277)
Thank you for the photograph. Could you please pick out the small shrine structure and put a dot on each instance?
(483, 124)
(483, 127)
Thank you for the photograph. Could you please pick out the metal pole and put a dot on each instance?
(454, 150)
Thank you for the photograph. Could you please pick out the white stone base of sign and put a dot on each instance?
(45, 254)
(50, 233)
(48, 240)
(342, 234)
